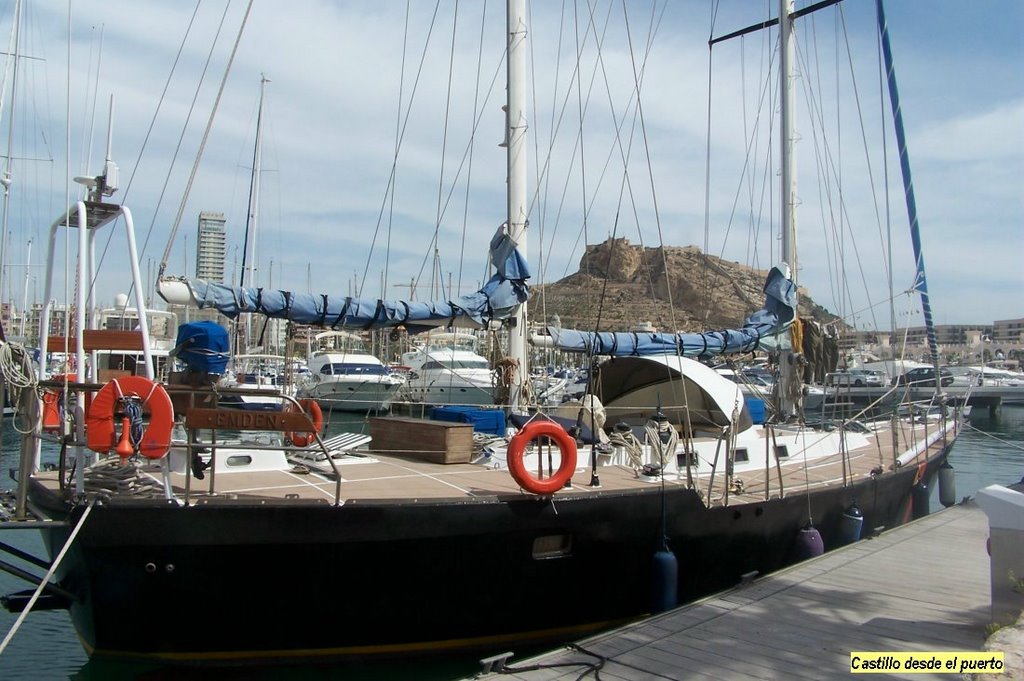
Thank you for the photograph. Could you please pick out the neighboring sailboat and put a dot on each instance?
(432, 546)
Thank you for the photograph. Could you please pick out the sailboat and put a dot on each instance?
(430, 547)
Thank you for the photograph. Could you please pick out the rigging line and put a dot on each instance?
(908, 188)
(538, 225)
(254, 181)
(579, 112)
(824, 162)
(765, 96)
(181, 136)
(393, 177)
(885, 176)
(389, 194)
(152, 122)
(12, 57)
(67, 194)
(48, 576)
(864, 141)
(202, 144)
(16, 35)
(1008, 443)
(465, 156)
(472, 141)
(746, 135)
(533, 200)
(625, 184)
(620, 123)
(86, 151)
(542, 194)
(827, 170)
(544, 171)
(766, 48)
(92, 89)
(444, 147)
(706, 298)
(835, 257)
(647, 152)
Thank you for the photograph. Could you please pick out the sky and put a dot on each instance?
(382, 168)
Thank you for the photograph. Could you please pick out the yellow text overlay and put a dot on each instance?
(960, 662)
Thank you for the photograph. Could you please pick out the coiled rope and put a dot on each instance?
(20, 377)
(631, 445)
(16, 366)
(133, 410)
(661, 450)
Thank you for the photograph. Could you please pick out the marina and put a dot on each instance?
(419, 490)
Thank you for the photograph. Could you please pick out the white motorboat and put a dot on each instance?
(447, 370)
(344, 376)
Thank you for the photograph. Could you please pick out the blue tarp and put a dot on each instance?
(763, 330)
(203, 346)
(490, 421)
(498, 299)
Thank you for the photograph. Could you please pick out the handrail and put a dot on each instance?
(206, 418)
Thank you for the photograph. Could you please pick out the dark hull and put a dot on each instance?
(233, 582)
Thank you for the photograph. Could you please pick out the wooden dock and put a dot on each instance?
(924, 586)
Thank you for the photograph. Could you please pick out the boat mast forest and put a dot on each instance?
(148, 500)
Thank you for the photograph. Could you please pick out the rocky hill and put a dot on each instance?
(637, 284)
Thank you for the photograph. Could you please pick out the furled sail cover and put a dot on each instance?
(498, 299)
(763, 330)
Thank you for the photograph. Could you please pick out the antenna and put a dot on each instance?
(106, 183)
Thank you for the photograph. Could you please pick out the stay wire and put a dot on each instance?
(202, 144)
(152, 125)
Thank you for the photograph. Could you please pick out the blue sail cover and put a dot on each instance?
(498, 299)
(763, 330)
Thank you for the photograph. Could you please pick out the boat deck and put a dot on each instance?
(369, 475)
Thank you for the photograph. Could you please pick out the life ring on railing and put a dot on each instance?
(101, 435)
(566, 448)
(309, 406)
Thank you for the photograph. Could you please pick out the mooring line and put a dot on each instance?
(46, 579)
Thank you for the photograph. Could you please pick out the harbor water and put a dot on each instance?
(989, 451)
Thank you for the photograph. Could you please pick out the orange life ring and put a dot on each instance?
(156, 439)
(566, 447)
(310, 407)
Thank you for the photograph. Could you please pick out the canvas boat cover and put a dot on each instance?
(767, 329)
(496, 300)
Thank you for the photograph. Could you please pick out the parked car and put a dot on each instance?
(858, 378)
(923, 377)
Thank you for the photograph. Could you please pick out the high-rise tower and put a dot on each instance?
(210, 247)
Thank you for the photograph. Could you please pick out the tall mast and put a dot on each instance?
(6, 179)
(248, 274)
(249, 252)
(515, 138)
(920, 281)
(789, 371)
(787, 56)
